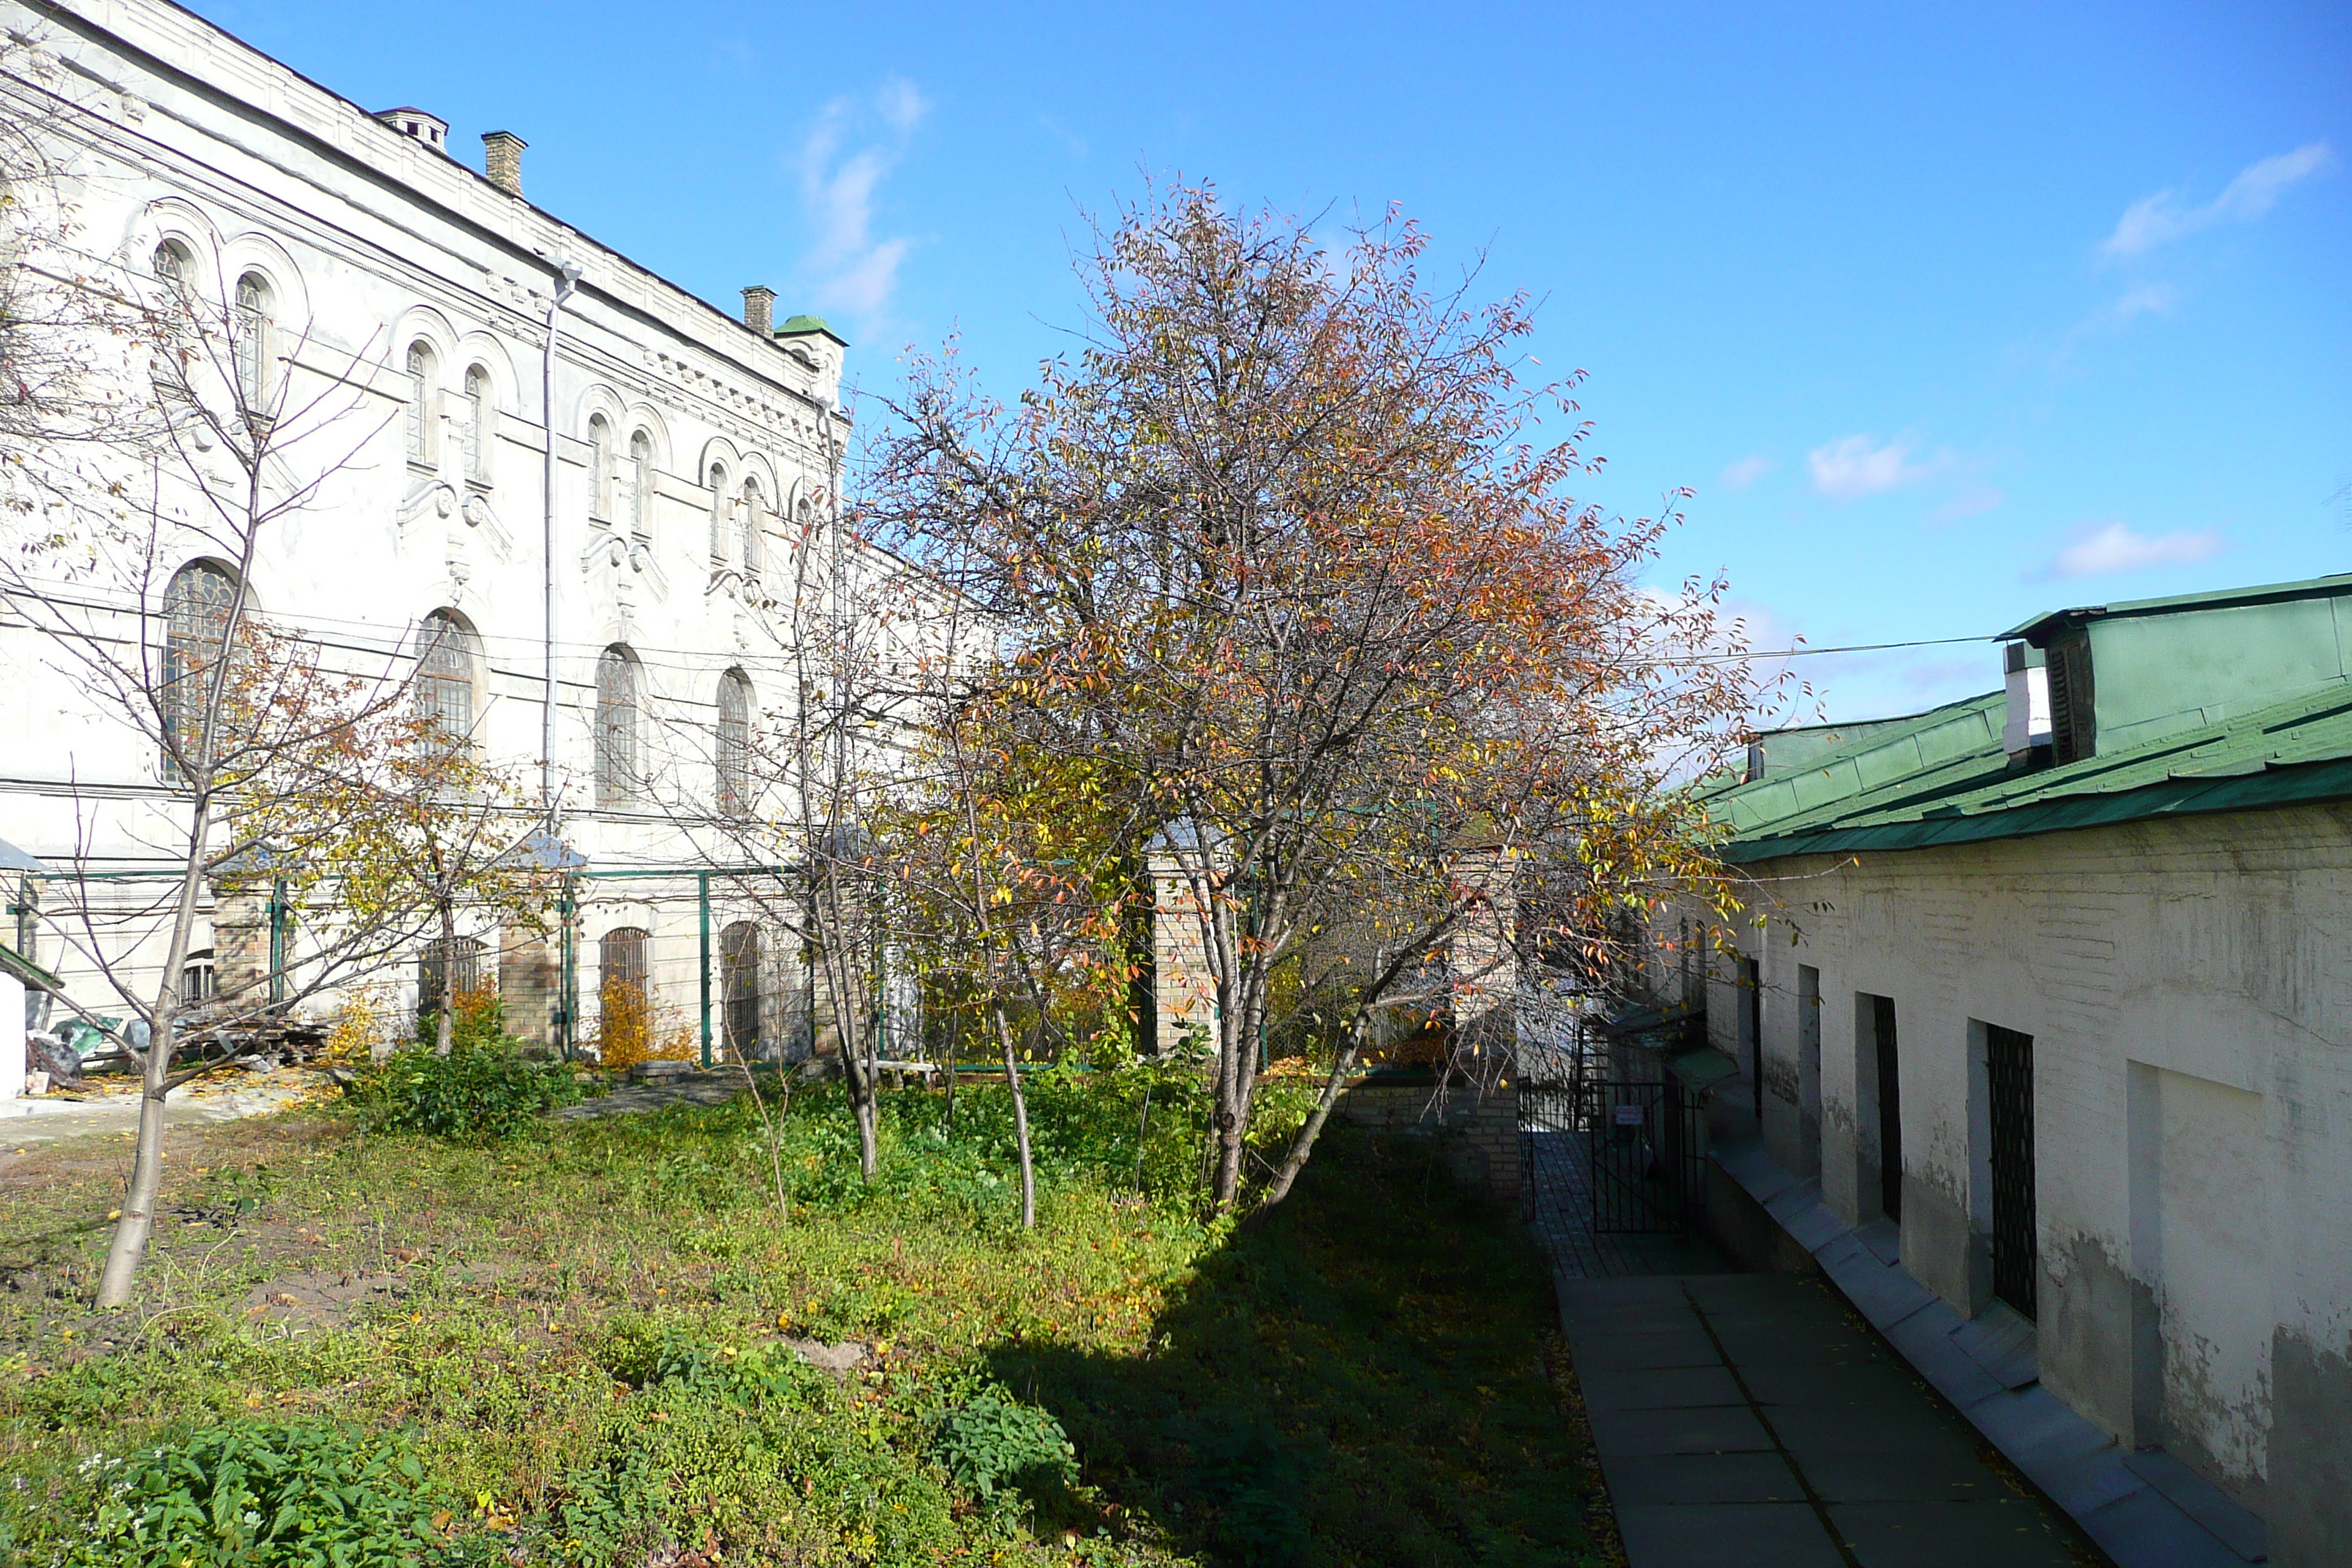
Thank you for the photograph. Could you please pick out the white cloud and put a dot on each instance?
(850, 269)
(1855, 466)
(2163, 217)
(1738, 476)
(2140, 299)
(2115, 548)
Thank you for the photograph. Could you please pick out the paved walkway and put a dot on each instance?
(1755, 1419)
(45, 1119)
(1747, 1418)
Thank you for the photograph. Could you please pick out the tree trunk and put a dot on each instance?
(1020, 1123)
(129, 1248)
(1304, 1144)
(445, 1027)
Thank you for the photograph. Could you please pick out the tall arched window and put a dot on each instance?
(448, 660)
(718, 510)
(739, 972)
(641, 480)
(195, 632)
(751, 526)
(616, 728)
(481, 410)
(420, 402)
(249, 343)
(623, 1000)
(600, 469)
(734, 743)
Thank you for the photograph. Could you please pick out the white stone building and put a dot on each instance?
(2050, 996)
(695, 456)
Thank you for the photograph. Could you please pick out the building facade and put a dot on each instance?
(2056, 984)
(694, 460)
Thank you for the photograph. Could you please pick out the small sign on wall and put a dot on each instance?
(1629, 1115)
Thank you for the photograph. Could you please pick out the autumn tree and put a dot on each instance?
(1289, 555)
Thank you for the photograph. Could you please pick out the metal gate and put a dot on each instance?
(2008, 1082)
(1645, 1143)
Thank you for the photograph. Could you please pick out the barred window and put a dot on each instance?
(751, 526)
(448, 665)
(740, 985)
(718, 510)
(195, 630)
(735, 743)
(616, 728)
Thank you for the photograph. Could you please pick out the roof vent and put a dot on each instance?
(2028, 683)
(429, 128)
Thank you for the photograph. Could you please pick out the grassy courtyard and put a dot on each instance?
(595, 1344)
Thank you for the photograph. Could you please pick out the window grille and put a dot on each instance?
(616, 729)
(449, 967)
(641, 479)
(196, 629)
(751, 526)
(480, 405)
(446, 670)
(734, 743)
(2009, 1081)
(739, 976)
(600, 469)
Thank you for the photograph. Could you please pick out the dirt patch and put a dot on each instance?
(840, 1360)
(317, 1300)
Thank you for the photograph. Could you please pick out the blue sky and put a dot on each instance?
(1948, 314)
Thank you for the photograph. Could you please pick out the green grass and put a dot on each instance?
(578, 1335)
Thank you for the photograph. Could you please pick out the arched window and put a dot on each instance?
(718, 510)
(735, 743)
(600, 469)
(420, 403)
(750, 522)
(175, 270)
(641, 480)
(623, 1000)
(739, 972)
(249, 341)
(616, 728)
(448, 660)
(195, 631)
(480, 407)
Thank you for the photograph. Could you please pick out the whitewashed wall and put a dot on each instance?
(2188, 984)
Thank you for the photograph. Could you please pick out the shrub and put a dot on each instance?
(993, 1443)
(482, 1092)
(258, 1495)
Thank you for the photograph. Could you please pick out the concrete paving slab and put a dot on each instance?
(1638, 1481)
(1728, 1429)
(1883, 1239)
(2007, 1533)
(1814, 1227)
(1863, 1476)
(1810, 1432)
(1608, 1387)
(1689, 1348)
(1753, 1535)
(1872, 1388)
(2002, 1343)
(1925, 1338)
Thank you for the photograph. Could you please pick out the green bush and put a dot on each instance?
(256, 1495)
(993, 1443)
(479, 1093)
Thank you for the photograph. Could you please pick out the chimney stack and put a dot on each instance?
(2026, 681)
(759, 308)
(502, 160)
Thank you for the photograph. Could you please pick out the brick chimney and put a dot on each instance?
(759, 308)
(502, 160)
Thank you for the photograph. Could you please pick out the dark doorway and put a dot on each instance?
(2008, 1082)
(1751, 1030)
(739, 969)
(1890, 1109)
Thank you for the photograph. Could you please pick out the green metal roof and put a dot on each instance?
(1860, 797)
(35, 977)
(2037, 629)
(801, 326)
